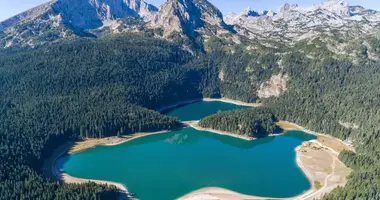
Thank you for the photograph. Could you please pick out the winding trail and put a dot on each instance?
(315, 194)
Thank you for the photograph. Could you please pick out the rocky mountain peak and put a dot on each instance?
(287, 7)
(250, 12)
(85, 14)
(190, 17)
(339, 7)
(60, 19)
(30, 14)
(67, 19)
(89, 14)
(293, 23)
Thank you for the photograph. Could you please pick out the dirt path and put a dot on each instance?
(322, 190)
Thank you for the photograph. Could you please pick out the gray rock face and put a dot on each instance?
(85, 14)
(27, 15)
(190, 17)
(293, 23)
(89, 14)
(59, 19)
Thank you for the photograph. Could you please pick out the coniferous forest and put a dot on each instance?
(111, 86)
(256, 122)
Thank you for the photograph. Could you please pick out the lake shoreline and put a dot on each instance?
(302, 163)
(225, 100)
(212, 192)
(195, 125)
(222, 193)
(204, 193)
(68, 179)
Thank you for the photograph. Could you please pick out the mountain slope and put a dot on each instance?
(68, 19)
(59, 19)
(294, 23)
(192, 17)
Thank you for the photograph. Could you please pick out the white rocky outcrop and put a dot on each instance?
(274, 87)
(349, 125)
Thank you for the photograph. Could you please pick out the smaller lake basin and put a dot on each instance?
(200, 110)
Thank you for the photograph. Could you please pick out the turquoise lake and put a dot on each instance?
(170, 165)
(200, 110)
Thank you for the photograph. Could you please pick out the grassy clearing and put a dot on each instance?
(333, 143)
(91, 143)
(287, 125)
(317, 185)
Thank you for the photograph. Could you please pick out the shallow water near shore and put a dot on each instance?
(170, 165)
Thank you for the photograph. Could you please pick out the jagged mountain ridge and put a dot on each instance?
(292, 22)
(61, 19)
(85, 14)
(190, 17)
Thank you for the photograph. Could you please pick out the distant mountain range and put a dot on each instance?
(67, 19)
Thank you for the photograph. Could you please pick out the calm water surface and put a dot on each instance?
(200, 110)
(170, 165)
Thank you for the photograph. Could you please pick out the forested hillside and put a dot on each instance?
(342, 99)
(86, 88)
(111, 86)
(255, 122)
(332, 94)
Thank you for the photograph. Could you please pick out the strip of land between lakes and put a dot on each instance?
(225, 100)
(195, 125)
(218, 193)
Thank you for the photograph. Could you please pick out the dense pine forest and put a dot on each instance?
(111, 86)
(257, 122)
(86, 88)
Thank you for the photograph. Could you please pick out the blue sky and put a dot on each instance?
(9, 8)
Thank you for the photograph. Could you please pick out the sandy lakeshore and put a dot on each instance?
(72, 148)
(318, 159)
(324, 171)
(194, 125)
(236, 102)
(64, 177)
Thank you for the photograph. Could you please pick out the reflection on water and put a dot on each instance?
(191, 136)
